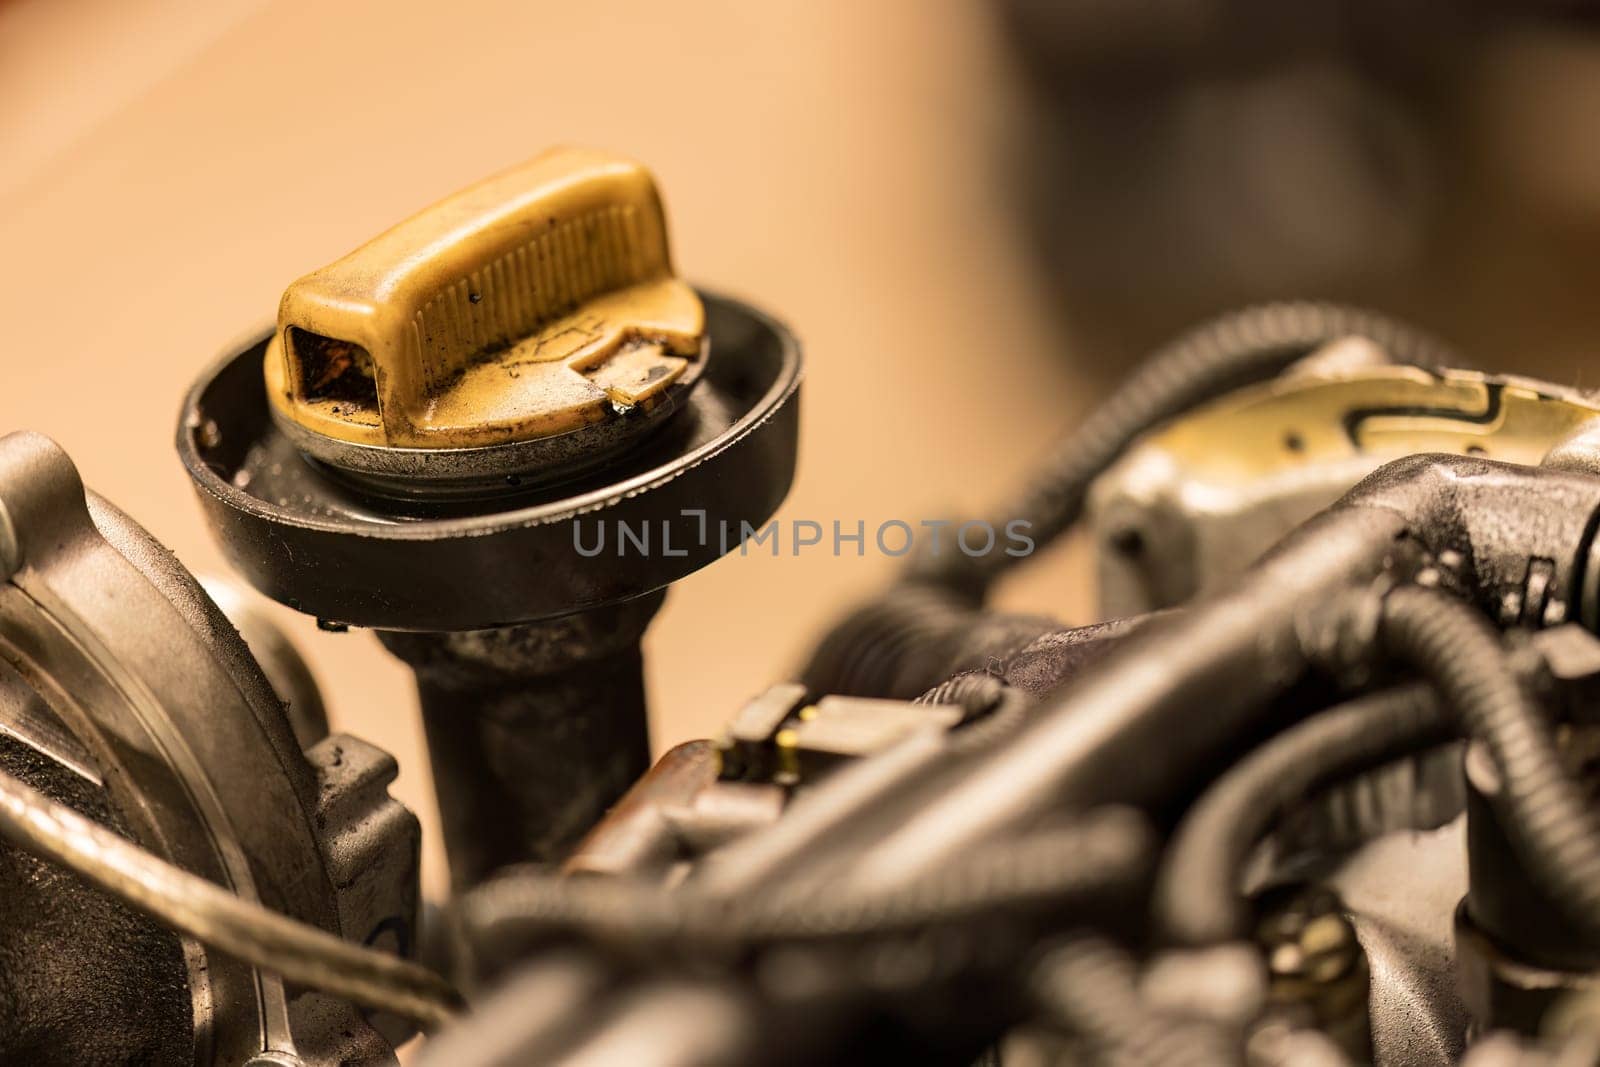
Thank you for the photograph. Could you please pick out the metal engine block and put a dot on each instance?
(1318, 788)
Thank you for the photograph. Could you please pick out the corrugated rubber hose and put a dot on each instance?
(1236, 349)
(1100, 857)
(882, 643)
(1089, 987)
(1547, 814)
(1198, 899)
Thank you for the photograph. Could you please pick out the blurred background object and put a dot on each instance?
(974, 216)
(1424, 157)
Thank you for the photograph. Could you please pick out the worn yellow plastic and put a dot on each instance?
(533, 303)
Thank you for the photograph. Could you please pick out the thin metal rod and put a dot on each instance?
(302, 954)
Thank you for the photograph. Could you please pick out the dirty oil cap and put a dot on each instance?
(530, 320)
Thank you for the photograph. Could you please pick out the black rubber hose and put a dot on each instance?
(1088, 986)
(1198, 900)
(912, 637)
(1161, 708)
(976, 691)
(1103, 856)
(889, 647)
(1236, 349)
(1548, 816)
(993, 709)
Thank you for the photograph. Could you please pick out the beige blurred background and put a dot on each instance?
(886, 176)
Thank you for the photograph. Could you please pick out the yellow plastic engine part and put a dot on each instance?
(533, 303)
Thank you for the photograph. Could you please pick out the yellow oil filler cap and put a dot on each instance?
(539, 304)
